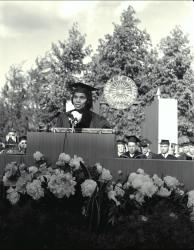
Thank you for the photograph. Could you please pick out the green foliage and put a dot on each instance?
(128, 51)
(176, 77)
(15, 109)
(53, 74)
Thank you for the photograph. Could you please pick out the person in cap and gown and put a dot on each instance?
(22, 145)
(81, 116)
(132, 152)
(164, 149)
(184, 155)
(146, 152)
(121, 147)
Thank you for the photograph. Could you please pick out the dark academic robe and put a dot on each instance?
(184, 156)
(90, 120)
(151, 155)
(127, 155)
(169, 157)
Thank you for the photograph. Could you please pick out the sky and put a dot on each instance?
(28, 28)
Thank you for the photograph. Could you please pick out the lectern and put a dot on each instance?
(92, 145)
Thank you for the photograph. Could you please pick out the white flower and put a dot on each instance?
(179, 191)
(144, 218)
(105, 175)
(62, 184)
(190, 202)
(171, 182)
(112, 196)
(131, 196)
(139, 179)
(12, 195)
(32, 169)
(64, 158)
(140, 171)
(126, 185)
(88, 187)
(98, 167)
(163, 192)
(75, 162)
(158, 181)
(148, 189)
(119, 190)
(131, 177)
(35, 190)
(120, 172)
(38, 156)
(139, 197)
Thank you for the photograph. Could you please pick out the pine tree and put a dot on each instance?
(14, 103)
(176, 77)
(55, 72)
(128, 51)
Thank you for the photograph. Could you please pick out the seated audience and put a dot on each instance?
(132, 153)
(11, 137)
(22, 145)
(121, 147)
(146, 152)
(184, 155)
(164, 149)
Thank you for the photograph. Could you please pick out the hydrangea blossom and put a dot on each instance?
(88, 187)
(75, 162)
(148, 188)
(119, 190)
(98, 167)
(112, 196)
(163, 192)
(62, 184)
(64, 158)
(190, 202)
(32, 169)
(38, 156)
(105, 175)
(157, 181)
(171, 182)
(35, 190)
(12, 195)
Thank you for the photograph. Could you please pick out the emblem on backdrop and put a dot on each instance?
(120, 92)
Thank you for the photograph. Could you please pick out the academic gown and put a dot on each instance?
(151, 155)
(95, 121)
(184, 156)
(127, 155)
(169, 157)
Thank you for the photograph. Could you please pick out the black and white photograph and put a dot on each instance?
(96, 124)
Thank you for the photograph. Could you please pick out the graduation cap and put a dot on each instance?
(132, 138)
(164, 142)
(145, 143)
(22, 138)
(120, 141)
(82, 88)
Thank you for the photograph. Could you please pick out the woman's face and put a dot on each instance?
(79, 100)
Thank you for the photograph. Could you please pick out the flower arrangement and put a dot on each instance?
(104, 203)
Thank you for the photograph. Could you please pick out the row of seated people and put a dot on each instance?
(133, 148)
(13, 144)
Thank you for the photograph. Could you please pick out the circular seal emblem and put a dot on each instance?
(120, 92)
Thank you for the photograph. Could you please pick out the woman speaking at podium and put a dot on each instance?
(81, 116)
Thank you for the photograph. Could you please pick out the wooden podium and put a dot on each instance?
(90, 146)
